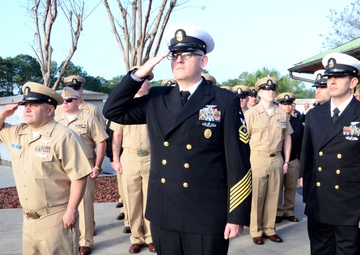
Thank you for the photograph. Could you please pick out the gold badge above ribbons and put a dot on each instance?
(207, 133)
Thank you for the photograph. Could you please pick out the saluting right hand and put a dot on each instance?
(149, 65)
(8, 110)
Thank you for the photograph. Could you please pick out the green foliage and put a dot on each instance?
(15, 72)
(286, 84)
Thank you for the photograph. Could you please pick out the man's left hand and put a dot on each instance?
(232, 230)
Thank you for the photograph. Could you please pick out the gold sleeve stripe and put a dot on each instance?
(240, 191)
(243, 135)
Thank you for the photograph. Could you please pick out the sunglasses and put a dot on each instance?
(75, 87)
(69, 100)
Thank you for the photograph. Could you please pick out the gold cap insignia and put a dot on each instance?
(286, 97)
(26, 91)
(239, 91)
(318, 77)
(269, 82)
(331, 62)
(74, 81)
(179, 35)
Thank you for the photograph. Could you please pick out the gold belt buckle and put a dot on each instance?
(142, 153)
(32, 215)
(272, 155)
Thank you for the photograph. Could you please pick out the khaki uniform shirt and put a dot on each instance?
(88, 108)
(136, 136)
(267, 132)
(45, 166)
(89, 130)
(93, 110)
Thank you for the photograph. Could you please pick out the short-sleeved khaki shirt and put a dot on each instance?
(89, 130)
(134, 136)
(267, 132)
(88, 108)
(45, 166)
(93, 110)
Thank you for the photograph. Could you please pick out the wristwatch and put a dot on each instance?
(287, 162)
(98, 168)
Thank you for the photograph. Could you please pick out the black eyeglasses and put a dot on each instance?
(69, 100)
(183, 55)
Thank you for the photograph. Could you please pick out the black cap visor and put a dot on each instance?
(268, 87)
(286, 101)
(339, 72)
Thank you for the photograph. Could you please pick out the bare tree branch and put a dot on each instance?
(140, 32)
(47, 10)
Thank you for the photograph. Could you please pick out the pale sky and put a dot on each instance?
(248, 35)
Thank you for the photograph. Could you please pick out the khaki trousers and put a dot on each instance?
(47, 235)
(266, 173)
(122, 198)
(135, 180)
(288, 184)
(86, 214)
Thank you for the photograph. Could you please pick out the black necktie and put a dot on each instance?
(184, 96)
(336, 115)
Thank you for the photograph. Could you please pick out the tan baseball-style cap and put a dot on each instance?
(36, 93)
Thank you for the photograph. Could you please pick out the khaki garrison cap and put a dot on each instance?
(188, 38)
(267, 83)
(242, 90)
(150, 75)
(286, 98)
(211, 79)
(38, 94)
(68, 92)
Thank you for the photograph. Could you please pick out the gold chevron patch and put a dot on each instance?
(243, 134)
(240, 191)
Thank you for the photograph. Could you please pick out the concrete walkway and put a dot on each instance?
(109, 238)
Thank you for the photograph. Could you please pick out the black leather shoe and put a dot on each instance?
(84, 250)
(119, 205)
(291, 218)
(127, 230)
(121, 216)
(278, 219)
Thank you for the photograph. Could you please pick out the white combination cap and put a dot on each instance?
(188, 37)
